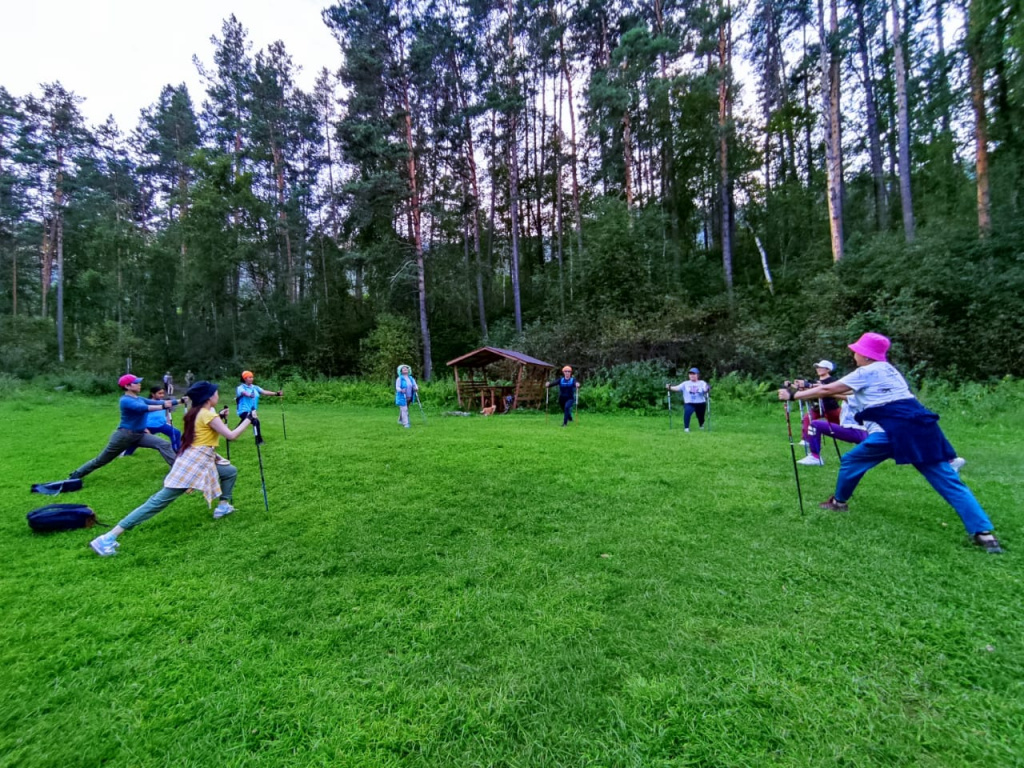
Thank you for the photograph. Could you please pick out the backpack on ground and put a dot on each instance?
(61, 517)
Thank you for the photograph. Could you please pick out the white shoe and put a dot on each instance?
(105, 545)
(812, 461)
(803, 443)
(223, 509)
(957, 463)
(686, 430)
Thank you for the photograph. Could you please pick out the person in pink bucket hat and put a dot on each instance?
(898, 428)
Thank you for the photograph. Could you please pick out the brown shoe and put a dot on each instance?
(833, 505)
(987, 541)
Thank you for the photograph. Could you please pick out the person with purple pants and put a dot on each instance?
(899, 428)
(847, 430)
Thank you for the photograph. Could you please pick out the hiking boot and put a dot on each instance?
(833, 505)
(812, 461)
(223, 509)
(987, 541)
(106, 545)
(957, 463)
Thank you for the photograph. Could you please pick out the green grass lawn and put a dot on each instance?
(503, 592)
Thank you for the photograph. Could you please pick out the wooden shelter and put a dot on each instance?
(489, 375)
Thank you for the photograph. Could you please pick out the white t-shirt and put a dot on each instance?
(875, 384)
(693, 391)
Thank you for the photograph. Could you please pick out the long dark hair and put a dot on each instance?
(188, 436)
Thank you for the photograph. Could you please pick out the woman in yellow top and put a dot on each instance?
(198, 467)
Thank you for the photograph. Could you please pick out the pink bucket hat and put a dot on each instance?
(872, 345)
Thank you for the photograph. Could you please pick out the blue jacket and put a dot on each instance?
(135, 411)
(913, 431)
(405, 390)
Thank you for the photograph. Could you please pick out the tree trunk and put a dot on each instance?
(577, 216)
(871, 114)
(831, 114)
(977, 75)
(60, 285)
(723, 148)
(904, 123)
(414, 208)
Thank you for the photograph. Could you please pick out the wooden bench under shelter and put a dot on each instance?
(479, 375)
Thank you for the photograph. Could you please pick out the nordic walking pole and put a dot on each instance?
(576, 406)
(284, 429)
(821, 409)
(668, 397)
(800, 405)
(792, 452)
(263, 480)
(547, 412)
(224, 418)
(709, 410)
(419, 402)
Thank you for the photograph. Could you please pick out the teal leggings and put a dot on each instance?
(162, 499)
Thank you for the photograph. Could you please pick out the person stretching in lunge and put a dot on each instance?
(567, 388)
(131, 431)
(898, 427)
(247, 398)
(197, 467)
(405, 393)
(824, 369)
(695, 398)
(159, 423)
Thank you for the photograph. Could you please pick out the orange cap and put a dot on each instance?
(246, 373)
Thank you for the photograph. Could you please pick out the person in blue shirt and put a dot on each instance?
(247, 398)
(131, 431)
(159, 423)
(567, 388)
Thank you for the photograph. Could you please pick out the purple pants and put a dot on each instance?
(820, 427)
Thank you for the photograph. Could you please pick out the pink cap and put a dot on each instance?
(127, 379)
(871, 345)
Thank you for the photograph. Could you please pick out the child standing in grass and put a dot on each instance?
(405, 393)
(568, 386)
(131, 431)
(695, 397)
(247, 396)
(197, 467)
(900, 428)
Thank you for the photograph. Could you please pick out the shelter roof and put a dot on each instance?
(484, 356)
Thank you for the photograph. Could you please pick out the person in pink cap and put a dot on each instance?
(900, 428)
(131, 431)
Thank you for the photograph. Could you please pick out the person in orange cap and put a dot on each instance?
(247, 396)
(567, 387)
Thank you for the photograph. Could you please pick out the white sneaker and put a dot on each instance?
(812, 461)
(105, 545)
(686, 430)
(957, 463)
(803, 444)
(222, 510)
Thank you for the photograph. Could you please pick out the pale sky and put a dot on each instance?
(118, 54)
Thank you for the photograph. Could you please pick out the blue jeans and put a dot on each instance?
(694, 408)
(942, 477)
(567, 411)
(162, 499)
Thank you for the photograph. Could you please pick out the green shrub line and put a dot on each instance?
(637, 388)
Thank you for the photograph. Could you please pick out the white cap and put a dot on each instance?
(824, 364)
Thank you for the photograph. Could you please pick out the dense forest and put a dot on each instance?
(601, 182)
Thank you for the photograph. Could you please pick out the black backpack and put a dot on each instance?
(61, 517)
